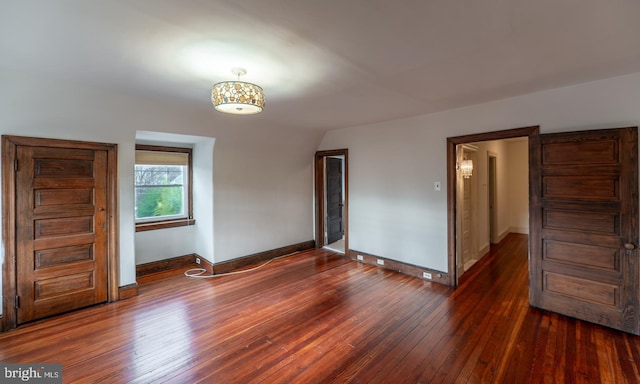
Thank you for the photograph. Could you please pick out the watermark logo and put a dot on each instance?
(31, 373)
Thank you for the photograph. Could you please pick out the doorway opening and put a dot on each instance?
(582, 224)
(331, 202)
(458, 218)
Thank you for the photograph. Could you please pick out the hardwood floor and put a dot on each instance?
(316, 317)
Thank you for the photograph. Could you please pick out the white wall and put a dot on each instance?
(512, 175)
(393, 209)
(518, 187)
(497, 148)
(262, 174)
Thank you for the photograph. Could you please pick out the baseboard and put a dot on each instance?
(502, 235)
(398, 266)
(167, 264)
(223, 266)
(201, 262)
(128, 291)
(520, 230)
(245, 261)
(484, 250)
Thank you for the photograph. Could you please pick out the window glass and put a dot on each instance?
(160, 191)
(162, 187)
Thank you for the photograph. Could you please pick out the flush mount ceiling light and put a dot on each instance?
(237, 97)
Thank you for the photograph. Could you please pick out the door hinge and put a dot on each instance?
(16, 302)
(15, 165)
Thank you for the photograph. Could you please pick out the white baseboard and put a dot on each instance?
(503, 235)
(483, 251)
(521, 230)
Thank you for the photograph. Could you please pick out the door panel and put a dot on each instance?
(584, 214)
(61, 236)
(335, 229)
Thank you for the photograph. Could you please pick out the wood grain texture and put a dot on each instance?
(317, 317)
(128, 291)
(68, 283)
(585, 196)
(11, 214)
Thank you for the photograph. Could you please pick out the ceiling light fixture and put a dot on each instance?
(237, 97)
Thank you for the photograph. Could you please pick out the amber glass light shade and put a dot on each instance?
(237, 97)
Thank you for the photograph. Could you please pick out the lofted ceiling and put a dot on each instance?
(325, 64)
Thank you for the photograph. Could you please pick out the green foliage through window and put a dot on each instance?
(159, 191)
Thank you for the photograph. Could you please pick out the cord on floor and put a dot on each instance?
(197, 273)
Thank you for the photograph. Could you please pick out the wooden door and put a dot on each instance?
(61, 234)
(335, 229)
(584, 226)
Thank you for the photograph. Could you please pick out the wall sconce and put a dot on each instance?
(466, 168)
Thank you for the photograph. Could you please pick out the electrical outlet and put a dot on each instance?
(426, 275)
(197, 260)
(360, 257)
(380, 262)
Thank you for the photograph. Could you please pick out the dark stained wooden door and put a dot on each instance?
(584, 226)
(61, 234)
(335, 229)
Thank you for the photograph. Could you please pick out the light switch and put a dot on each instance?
(436, 186)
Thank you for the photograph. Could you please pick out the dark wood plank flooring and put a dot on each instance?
(316, 317)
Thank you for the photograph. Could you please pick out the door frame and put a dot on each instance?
(452, 142)
(320, 195)
(9, 216)
(331, 181)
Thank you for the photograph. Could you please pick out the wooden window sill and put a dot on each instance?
(164, 224)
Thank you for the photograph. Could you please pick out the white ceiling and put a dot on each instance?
(325, 63)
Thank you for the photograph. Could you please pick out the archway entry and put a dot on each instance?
(332, 198)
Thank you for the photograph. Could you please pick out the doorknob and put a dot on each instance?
(629, 246)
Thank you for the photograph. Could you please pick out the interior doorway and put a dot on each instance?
(454, 190)
(582, 220)
(331, 191)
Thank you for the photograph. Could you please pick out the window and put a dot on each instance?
(162, 187)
